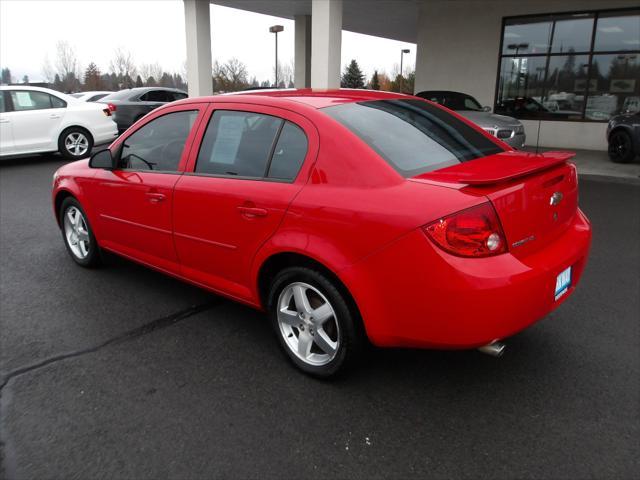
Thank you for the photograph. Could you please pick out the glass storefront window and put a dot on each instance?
(551, 68)
(614, 87)
(618, 33)
(572, 34)
(530, 37)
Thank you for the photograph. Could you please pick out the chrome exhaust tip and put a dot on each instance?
(495, 349)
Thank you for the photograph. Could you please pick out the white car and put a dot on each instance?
(90, 96)
(39, 120)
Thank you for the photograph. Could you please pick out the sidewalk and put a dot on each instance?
(593, 163)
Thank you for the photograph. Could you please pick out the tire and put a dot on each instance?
(75, 143)
(330, 343)
(621, 147)
(85, 253)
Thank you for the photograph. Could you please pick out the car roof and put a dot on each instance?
(306, 96)
(442, 92)
(28, 87)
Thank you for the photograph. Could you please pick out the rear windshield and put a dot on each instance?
(413, 136)
(121, 95)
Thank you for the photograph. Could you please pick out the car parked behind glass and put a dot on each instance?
(507, 129)
(40, 120)
(130, 105)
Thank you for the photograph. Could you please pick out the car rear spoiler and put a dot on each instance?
(497, 168)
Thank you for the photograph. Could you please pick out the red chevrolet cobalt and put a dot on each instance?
(346, 215)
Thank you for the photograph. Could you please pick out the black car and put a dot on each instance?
(623, 135)
(130, 105)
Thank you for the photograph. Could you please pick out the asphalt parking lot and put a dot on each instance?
(125, 373)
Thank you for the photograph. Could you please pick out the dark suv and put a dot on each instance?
(623, 135)
(130, 105)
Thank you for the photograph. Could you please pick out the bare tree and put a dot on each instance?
(123, 67)
(230, 76)
(150, 70)
(67, 67)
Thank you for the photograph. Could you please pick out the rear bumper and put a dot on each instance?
(104, 133)
(413, 294)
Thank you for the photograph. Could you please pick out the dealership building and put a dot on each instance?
(564, 67)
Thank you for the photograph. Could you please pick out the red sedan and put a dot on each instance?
(346, 215)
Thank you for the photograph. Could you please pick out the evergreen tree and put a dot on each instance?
(6, 76)
(92, 78)
(352, 76)
(151, 82)
(57, 83)
(375, 81)
(25, 79)
(139, 81)
(166, 80)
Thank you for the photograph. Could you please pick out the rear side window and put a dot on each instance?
(2, 108)
(238, 144)
(289, 153)
(413, 136)
(179, 95)
(157, 96)
(57, 102)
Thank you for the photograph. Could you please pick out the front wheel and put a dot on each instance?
(75, 143)
(313, 322)
(77, 234)
(621, 147)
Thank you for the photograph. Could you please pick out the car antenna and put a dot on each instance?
(538, 138)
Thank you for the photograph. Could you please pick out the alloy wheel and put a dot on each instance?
(308, 324)
(77, 144)
(76, 232)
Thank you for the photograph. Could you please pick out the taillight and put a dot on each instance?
(474, 232)
(112, 107)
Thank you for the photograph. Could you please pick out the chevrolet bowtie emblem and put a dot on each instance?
(556, 198)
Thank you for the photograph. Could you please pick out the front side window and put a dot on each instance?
(158, 145)
(156, 96)
(2, 107)
(413, 136)
(584, 66)
(32, 100)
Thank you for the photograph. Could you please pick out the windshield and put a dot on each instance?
(76, 95)
(413, 136)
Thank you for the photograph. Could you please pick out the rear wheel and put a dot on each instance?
(75, 143)
(621, 147)
(313, 322)
(77, 234)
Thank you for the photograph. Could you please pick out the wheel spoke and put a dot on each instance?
(83, 236)
(321, 314)
(78, 220)
(288, 317)
(305, 340)
(325, 343)
(300, 296)
(70, 217)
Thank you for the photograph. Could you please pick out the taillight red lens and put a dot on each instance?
(474, 232)
(112, 107)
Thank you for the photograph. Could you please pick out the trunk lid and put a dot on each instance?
(535, 195)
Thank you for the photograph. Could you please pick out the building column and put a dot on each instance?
(302, 55)
(326, 43)
(422, 45)
(198, 30)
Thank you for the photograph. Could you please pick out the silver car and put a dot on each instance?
(507, 129)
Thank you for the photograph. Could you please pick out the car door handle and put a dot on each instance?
(54, 116)
(252, 212)
(156, 197)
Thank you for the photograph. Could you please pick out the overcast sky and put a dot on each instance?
(153, 31)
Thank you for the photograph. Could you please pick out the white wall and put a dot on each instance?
(458, 47)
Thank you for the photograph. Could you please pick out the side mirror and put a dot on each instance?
(486, 109)
(102, 159)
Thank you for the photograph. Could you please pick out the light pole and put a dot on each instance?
(275, 29)
(402, 52)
